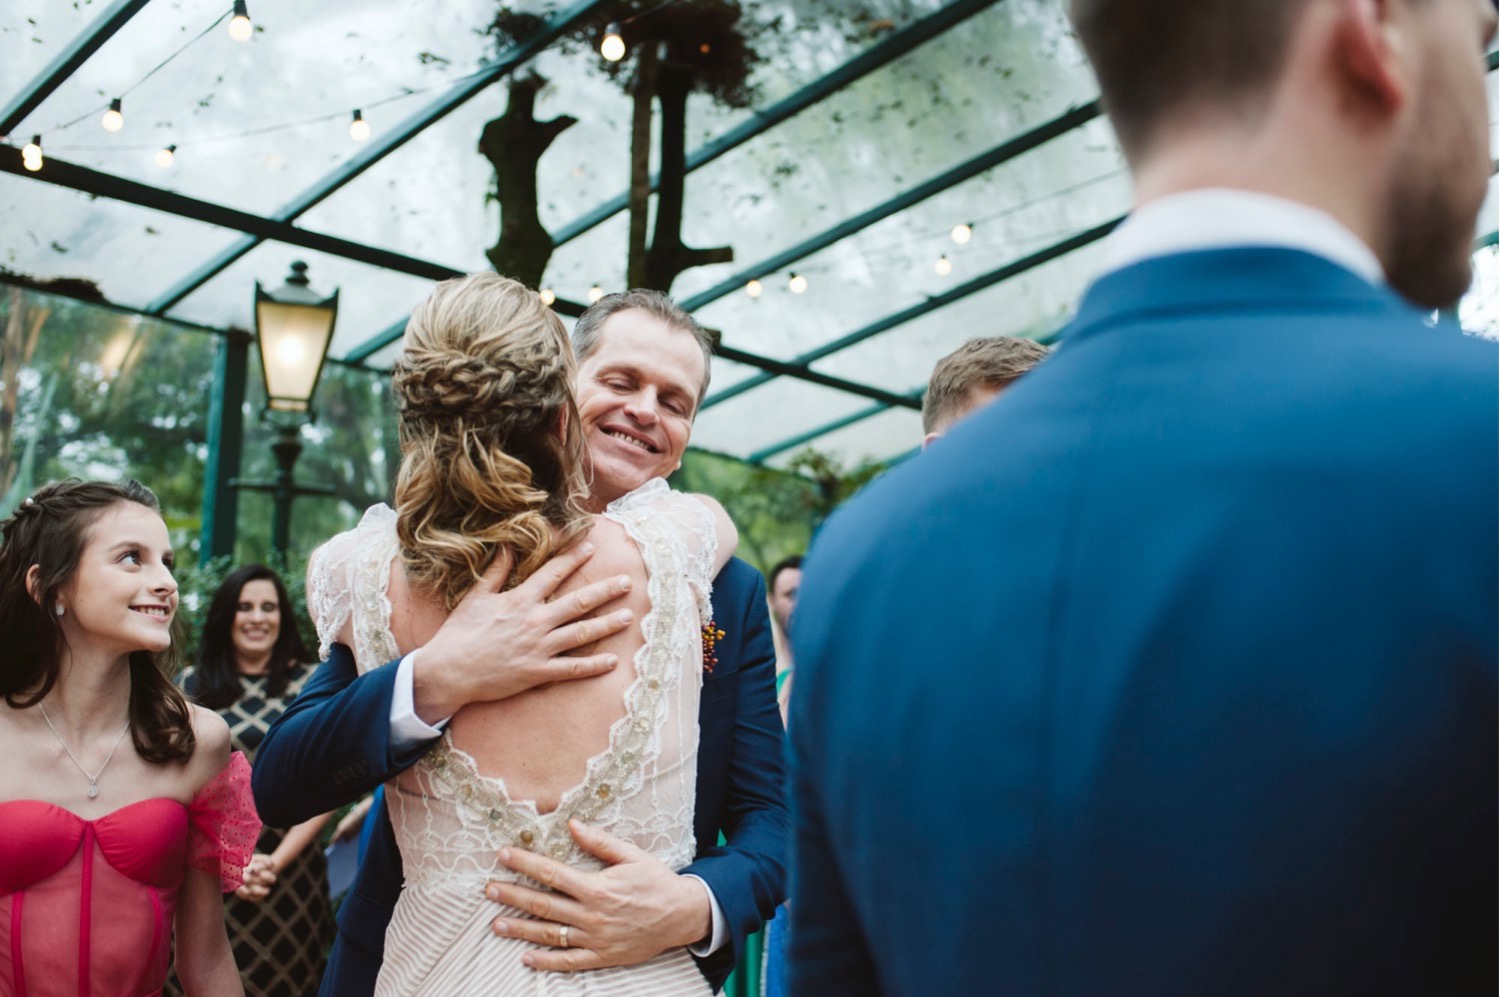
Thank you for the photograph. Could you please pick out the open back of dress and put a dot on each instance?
(451, 821)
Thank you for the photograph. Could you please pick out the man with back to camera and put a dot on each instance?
(643, 370)
(971, 377)
(1173, 671)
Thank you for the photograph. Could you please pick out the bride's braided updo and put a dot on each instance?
(491, 450)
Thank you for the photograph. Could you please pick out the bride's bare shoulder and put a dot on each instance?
(614, 551)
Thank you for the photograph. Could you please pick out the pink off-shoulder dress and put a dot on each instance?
(87, 906)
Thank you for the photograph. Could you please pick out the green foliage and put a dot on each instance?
(351, 448)
(777, 512)
(106, 395)
(95, 393)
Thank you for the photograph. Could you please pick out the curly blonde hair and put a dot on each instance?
(491, 450)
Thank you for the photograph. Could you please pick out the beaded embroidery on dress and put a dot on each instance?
(640, 788)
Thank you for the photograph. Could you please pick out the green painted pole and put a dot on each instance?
(226, 437)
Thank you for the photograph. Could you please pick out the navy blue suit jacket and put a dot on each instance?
(332, 745)
(1173, 671)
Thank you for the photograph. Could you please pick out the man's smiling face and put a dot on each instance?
(637, 395)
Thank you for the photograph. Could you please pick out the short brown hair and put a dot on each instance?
(992, 362)
(1154, 58)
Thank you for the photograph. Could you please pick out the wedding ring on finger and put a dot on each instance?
(562, 937)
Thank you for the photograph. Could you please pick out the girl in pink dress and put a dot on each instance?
(123, 815)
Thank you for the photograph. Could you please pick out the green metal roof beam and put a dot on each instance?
(1002, 153)
(394, 331)
(781, 368)
(67, 62)
(861, 65)
(81, 178)
(356, 356)
(808, 436)
(876, 56)
(386, 144)
(932, 304)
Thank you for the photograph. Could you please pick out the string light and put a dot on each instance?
(595, 293)
(240, 28)
(796, 283)
(31, 154)
(612, 47)
(962, 233)
(754, 289)
(359, 128)
(165, 156)
(114, 118)
(548, 296)
(943, 266)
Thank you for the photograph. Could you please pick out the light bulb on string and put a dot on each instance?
(114, 118)
(796, 283)
(548, 296)
(595, 293)
(31, 154)
(962, 233)
(755, 289)
(165, 156)
(359, 128)
(612, 47)
(240, 28)
(943, 266)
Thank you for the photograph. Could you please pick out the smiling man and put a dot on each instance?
(643, 369)
(639, 387)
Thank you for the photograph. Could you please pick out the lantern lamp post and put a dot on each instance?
(293, 327)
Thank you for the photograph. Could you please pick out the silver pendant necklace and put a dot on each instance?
(93, 779)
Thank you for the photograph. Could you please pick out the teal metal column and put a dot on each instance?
(226, 438)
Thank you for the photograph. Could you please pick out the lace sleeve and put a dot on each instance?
(224, 825)
(328, 588)
(692, 524)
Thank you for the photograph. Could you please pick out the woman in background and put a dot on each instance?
(124, 812)
(251, 663)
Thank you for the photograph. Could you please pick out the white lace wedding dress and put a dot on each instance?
(640, 788)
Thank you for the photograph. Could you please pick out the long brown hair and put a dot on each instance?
(50, 530)
(491, 447)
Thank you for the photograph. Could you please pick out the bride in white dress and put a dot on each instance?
(489, 463)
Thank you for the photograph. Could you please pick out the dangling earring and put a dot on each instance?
(58, 610)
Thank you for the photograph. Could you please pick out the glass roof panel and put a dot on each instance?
(129, 252)
(771, 414)
(254, 123)
(1017, 209)
(369, 298)
(1000, 73)
(892, 433)
(1034, 305)
(33, 33)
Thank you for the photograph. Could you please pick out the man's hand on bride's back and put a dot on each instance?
(497, 644)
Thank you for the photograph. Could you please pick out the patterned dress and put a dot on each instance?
(281, 943)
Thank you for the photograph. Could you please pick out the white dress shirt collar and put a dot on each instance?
(1217, 218)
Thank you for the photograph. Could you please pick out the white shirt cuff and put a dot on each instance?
(407, 729)
(719, 933)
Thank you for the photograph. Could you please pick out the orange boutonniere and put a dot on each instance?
(711, 637)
